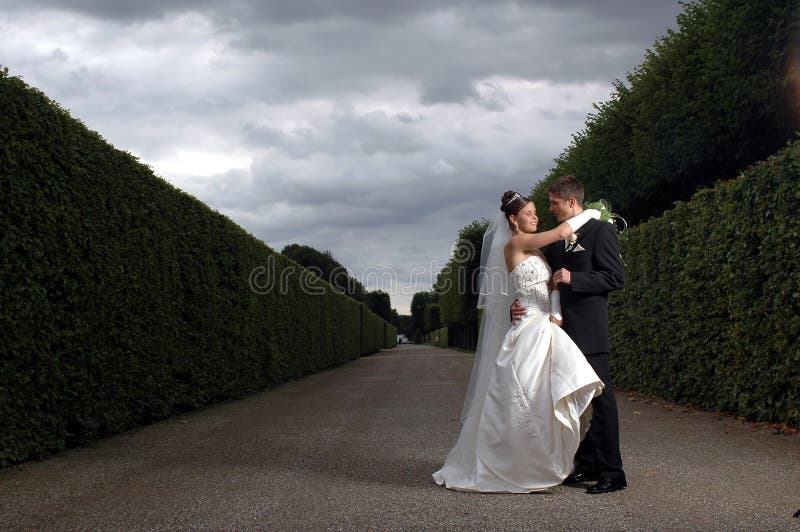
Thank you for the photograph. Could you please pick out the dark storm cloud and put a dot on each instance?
(375, 129)
(372, 133)
(322, 47)
(447, 49)
(298, 11)
(274, 11)
(123, 11)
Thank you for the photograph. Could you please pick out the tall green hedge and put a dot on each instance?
(124, 300)
(710, 313)
(373, 331)
(711, 98)
(389, 335)
(457, 286)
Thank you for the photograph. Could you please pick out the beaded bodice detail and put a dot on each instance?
(529, 281)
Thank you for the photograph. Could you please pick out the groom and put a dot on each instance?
(586, 267)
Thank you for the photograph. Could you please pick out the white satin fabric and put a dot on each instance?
(521, 434)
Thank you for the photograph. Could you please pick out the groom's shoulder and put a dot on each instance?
(600, 226)
(592, 226)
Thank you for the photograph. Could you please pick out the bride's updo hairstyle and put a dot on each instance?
(511, 203)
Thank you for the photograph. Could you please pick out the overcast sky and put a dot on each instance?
(372, 128)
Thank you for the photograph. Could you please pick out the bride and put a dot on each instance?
(528, 400)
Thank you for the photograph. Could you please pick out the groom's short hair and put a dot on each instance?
(567, 186)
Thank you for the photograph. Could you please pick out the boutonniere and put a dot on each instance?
(572, 239)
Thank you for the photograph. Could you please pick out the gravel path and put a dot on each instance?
(353, 448)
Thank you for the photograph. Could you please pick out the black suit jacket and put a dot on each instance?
(596, 268)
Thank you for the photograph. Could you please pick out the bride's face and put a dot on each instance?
(527, 219)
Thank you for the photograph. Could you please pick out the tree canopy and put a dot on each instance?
(708, 100)
(326, 267)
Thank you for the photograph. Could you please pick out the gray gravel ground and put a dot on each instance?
(353, 448)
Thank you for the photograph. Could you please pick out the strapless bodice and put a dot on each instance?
(529, 281)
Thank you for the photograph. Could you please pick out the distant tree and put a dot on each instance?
(326, 267)
(432, 321)
(321, 261)
(418, 303)
(378, 302)
(322, 264)
(403, 324)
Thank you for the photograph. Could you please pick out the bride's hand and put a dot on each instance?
(553, 319)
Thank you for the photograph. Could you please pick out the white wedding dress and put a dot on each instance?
(521, 434)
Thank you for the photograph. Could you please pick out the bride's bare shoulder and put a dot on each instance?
(510, 251)
(512, 246)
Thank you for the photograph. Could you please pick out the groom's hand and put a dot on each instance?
(517, 311)
(562, 276)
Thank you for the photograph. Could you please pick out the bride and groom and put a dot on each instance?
(540, 407)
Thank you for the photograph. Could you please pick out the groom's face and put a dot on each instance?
(561, 208)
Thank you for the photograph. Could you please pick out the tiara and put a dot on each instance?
(516, 196)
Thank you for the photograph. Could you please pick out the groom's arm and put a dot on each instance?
(608, 272)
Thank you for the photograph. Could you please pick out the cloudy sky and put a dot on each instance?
(372, 128)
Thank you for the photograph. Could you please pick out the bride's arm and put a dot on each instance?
(555, 307)
(529, 242)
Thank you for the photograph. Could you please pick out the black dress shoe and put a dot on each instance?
(579, 477)
(607, 485)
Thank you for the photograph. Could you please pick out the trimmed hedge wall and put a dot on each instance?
(373, 331)
(389, 335)
(710, 313)
(124, 300)
(709, 99)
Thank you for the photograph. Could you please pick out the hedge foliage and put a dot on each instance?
(389, 335)
(457, 286)
(711, 98)
(124, 300)
(326, 267)
(376, 333)
(710, 313)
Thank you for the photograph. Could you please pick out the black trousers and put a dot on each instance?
(598, 453)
